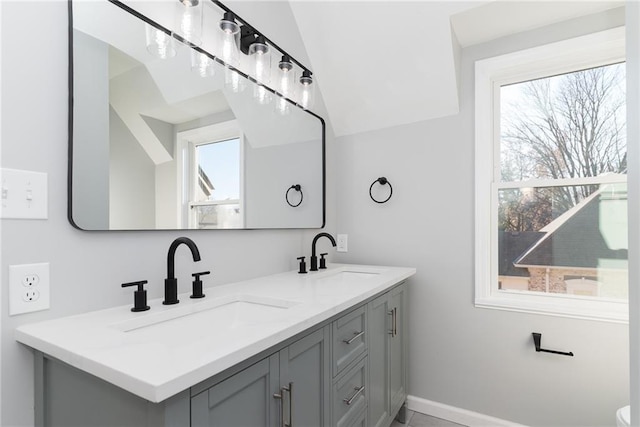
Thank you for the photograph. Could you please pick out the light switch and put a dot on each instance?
(343, 243)
(24, 194)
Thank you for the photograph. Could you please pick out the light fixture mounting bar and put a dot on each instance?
(243, 22)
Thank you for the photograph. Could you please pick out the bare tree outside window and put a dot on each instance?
(559, 215)
(566, 126)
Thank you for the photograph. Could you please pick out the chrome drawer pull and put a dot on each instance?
(350, 400)
(281, 397)
(290, 391)
(394, 321)
(355, 337)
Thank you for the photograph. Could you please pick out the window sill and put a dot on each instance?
(558, 305)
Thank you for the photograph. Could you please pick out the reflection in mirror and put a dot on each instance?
(165, 137)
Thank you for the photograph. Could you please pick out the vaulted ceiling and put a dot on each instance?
(386, 63)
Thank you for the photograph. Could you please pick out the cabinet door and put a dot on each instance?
(305, 368)
(379, 327)
(245, 399)
(397, 353)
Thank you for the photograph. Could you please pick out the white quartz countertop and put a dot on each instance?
(158, 353)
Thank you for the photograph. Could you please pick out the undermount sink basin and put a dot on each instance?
(351, 276)
(234, 310)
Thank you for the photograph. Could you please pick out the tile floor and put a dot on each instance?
(416, 419)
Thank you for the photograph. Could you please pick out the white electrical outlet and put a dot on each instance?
(30, 280)
(342, 243)
(28, 288)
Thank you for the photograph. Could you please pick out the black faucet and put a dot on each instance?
(314, 258)
(171, 283)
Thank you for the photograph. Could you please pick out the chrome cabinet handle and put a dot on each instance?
(355, 337)
(350, 400)
(289, 390)
(281, 397)
(395, 321)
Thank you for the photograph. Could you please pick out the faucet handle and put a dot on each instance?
(323, 262)
(303, 266)
(139, 296)
(197, 284)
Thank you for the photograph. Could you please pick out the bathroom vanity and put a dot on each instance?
(318, 349)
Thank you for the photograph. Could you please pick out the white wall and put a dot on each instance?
(87, 268)
(476, 359)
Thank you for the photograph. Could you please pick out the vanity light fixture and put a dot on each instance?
(260, 57)
(229, 35)
(188, 23)
(285, 84)
(246, 39)
(159, 43)
(306, 90)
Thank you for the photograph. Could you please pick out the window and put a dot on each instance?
(551, 196)
(215, 195)
(210, 183)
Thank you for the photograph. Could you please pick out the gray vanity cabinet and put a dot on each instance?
(245, 399)
(348, 371)
(387, 356)
(293, 383)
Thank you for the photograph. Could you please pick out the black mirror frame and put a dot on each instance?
(70, 126)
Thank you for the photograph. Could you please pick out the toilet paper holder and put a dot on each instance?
(537, 341)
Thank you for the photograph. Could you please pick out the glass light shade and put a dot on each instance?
(159, 43)
(202, 64)
(285, 85)
(260, 57)
(229, 39)
(233, 81)
(306, 90)
(286, 78)
(188, 16)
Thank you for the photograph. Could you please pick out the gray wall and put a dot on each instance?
(87, 268)
(132, 180)
(476, 359)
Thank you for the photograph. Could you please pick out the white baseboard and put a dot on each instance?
(457, 415)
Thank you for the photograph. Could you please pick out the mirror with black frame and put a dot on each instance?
(170, 143)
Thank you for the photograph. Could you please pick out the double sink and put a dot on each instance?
(160, 352)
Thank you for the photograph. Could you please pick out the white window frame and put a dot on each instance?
(187, 181)
(583, 52)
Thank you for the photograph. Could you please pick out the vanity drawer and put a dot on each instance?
(350, 396)
(349, 339)
(359, 421)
